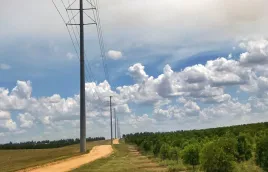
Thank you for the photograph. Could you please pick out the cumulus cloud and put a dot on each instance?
(4, 115)
(26, 120)
(8, 125)
(4, 66)
(137, 72)
(199, 93)
(140, 121)
(115, 55)
(23, 90)
(70, 56)
(257, 52)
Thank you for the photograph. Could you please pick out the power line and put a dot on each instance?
(100, 39)
(88, 68)
(115, 124)
(111, 116)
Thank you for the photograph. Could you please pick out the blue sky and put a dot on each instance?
(173, 65)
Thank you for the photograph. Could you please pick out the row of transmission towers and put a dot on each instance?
(89, 9)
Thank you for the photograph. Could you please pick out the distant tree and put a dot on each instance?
(262, 153)
(244, 147)
(190, 155)
(174, 154)
(146, 145)
(229, 146)
(164, 150)
(215, 159)
(156, 148)
(45, 144)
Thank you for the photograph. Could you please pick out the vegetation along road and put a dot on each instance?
(125, 158)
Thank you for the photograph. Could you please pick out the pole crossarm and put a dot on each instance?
(68, 9)
(79, 24)
(76, 9)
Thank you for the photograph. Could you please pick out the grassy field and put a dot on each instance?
(12, 160)
(125, 158)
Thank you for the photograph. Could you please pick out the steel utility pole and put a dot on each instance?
(111, 120)
(82, 59)
(115, 124)
(82, 84)
(119, 134)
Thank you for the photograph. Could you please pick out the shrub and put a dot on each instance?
(244, 148)
(214, 158)
(164, 150)
(146, 145)
(262, 153)
(156, 148)
(191, 155)
(174, 154)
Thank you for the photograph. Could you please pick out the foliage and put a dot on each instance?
(230, 146)
(262, 153)
(156, 148)
(146, 145)
(244, 147)
(46, 144)
(164, 151)
(174, 154)
(191, 155)
(215, 158)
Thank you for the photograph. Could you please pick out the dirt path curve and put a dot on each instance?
(116, 141)
(73, 163)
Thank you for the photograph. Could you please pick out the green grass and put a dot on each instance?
(124, 158)
(248, 166)
(12, 160)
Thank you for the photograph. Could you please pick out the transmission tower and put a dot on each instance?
(111, 115)
(117, 126)
(115, 120)
(81, 10)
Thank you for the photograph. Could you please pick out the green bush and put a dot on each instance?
(164, 150)
(214, 158)
(262, 153)
(229, 146)
(174, 154)
(156, 148)
(146, 145)
(244, 148)
(191, 155)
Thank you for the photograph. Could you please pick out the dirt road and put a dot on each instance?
(116, 141)
(73, 163)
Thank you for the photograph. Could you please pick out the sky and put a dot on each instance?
(173, 65)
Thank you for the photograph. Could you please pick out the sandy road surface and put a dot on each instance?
(116, 141)
(73, 163)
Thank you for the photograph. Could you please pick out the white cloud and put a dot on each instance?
(4, 115)
(257, 52)
(4, 66)
(8, 125)
(23, 90)
(115, 55)
(139, 122)
(70, 56)
(198, 95)
(137, 72)
(26, 120)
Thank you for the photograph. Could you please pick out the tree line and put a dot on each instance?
(210, 150)
(46, 144)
